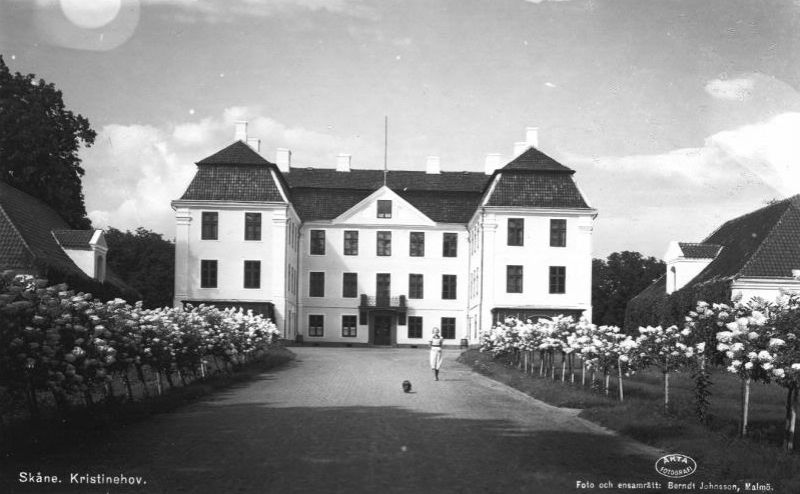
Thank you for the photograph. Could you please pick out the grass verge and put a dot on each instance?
(720, 454)
(81, 426)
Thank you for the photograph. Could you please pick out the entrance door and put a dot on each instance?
(383, 330)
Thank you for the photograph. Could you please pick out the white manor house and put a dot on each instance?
(376, 257)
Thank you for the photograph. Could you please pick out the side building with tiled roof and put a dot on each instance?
(380, 257)
(754, 255)
(36, 240)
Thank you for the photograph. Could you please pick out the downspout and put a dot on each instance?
(483, 253)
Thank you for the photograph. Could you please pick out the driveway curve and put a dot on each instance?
(337, 420)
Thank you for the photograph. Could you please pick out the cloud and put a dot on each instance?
(134, 171)
(684, 194)
(730, 89)
(230, 10)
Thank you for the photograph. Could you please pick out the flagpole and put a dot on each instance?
(385, 147)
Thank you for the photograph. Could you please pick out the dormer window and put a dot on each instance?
(384, 208)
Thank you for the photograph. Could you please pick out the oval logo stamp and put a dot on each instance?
(676, 466)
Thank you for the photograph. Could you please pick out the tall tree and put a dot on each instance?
(618, 279)
(145, 261)
(39, 144)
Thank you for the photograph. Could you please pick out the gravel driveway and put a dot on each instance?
(336, 420)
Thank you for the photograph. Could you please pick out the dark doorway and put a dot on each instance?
(383, 330)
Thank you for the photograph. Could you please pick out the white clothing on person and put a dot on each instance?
(436, 352)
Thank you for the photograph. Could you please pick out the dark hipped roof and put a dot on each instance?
(533, 160)
(237, 153)
(74, 239)
(762, 244)
(535, 180)
(699, 251)
(236, 173)
(396, 180)
(26, 226)
(536, 190)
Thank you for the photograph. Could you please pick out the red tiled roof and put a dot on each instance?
(699, 251)
(762, 244)
(27, 235)
(74, 239)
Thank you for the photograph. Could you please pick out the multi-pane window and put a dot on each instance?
(349, 326)
(450, 245)
(558, 233)
(209, 226)
(252, 274)
(316, 284)
(449, 286)
(349, 285)
(252, 226)
(208, 273)
(384, 208)
(448, 328)
(415, 286)
(351, 243)
(317, 242)
(416, 243)
(414, 327)
(558, 279)
(383, 287)
(384, 243)
(514, 279)
(516, 231)
(316, 325)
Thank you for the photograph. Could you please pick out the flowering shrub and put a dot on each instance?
(53, 339)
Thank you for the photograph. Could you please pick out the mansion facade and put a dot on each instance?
(376, 257)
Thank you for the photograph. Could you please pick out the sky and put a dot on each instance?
(676, 115)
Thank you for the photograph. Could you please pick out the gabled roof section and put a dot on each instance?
(699, 251)
(403, 212)
(29, 224)
(762, 244)
(74, 239)
(324, 193)
(533, 160)
(237, 153)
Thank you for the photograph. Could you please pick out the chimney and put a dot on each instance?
(520, 147)
(433, 165)
(254, 143)
(283, 158)
(492, 163)
(343, 163)
(241, 131)
(532, 136)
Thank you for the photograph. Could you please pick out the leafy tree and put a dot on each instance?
(146, 261)
(616, 280)
(39, 143)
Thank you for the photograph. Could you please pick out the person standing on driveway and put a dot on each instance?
(436, 352)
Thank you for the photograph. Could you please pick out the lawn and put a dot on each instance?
(715, 446)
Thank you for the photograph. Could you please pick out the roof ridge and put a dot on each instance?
(745, 215)
(769, 235)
